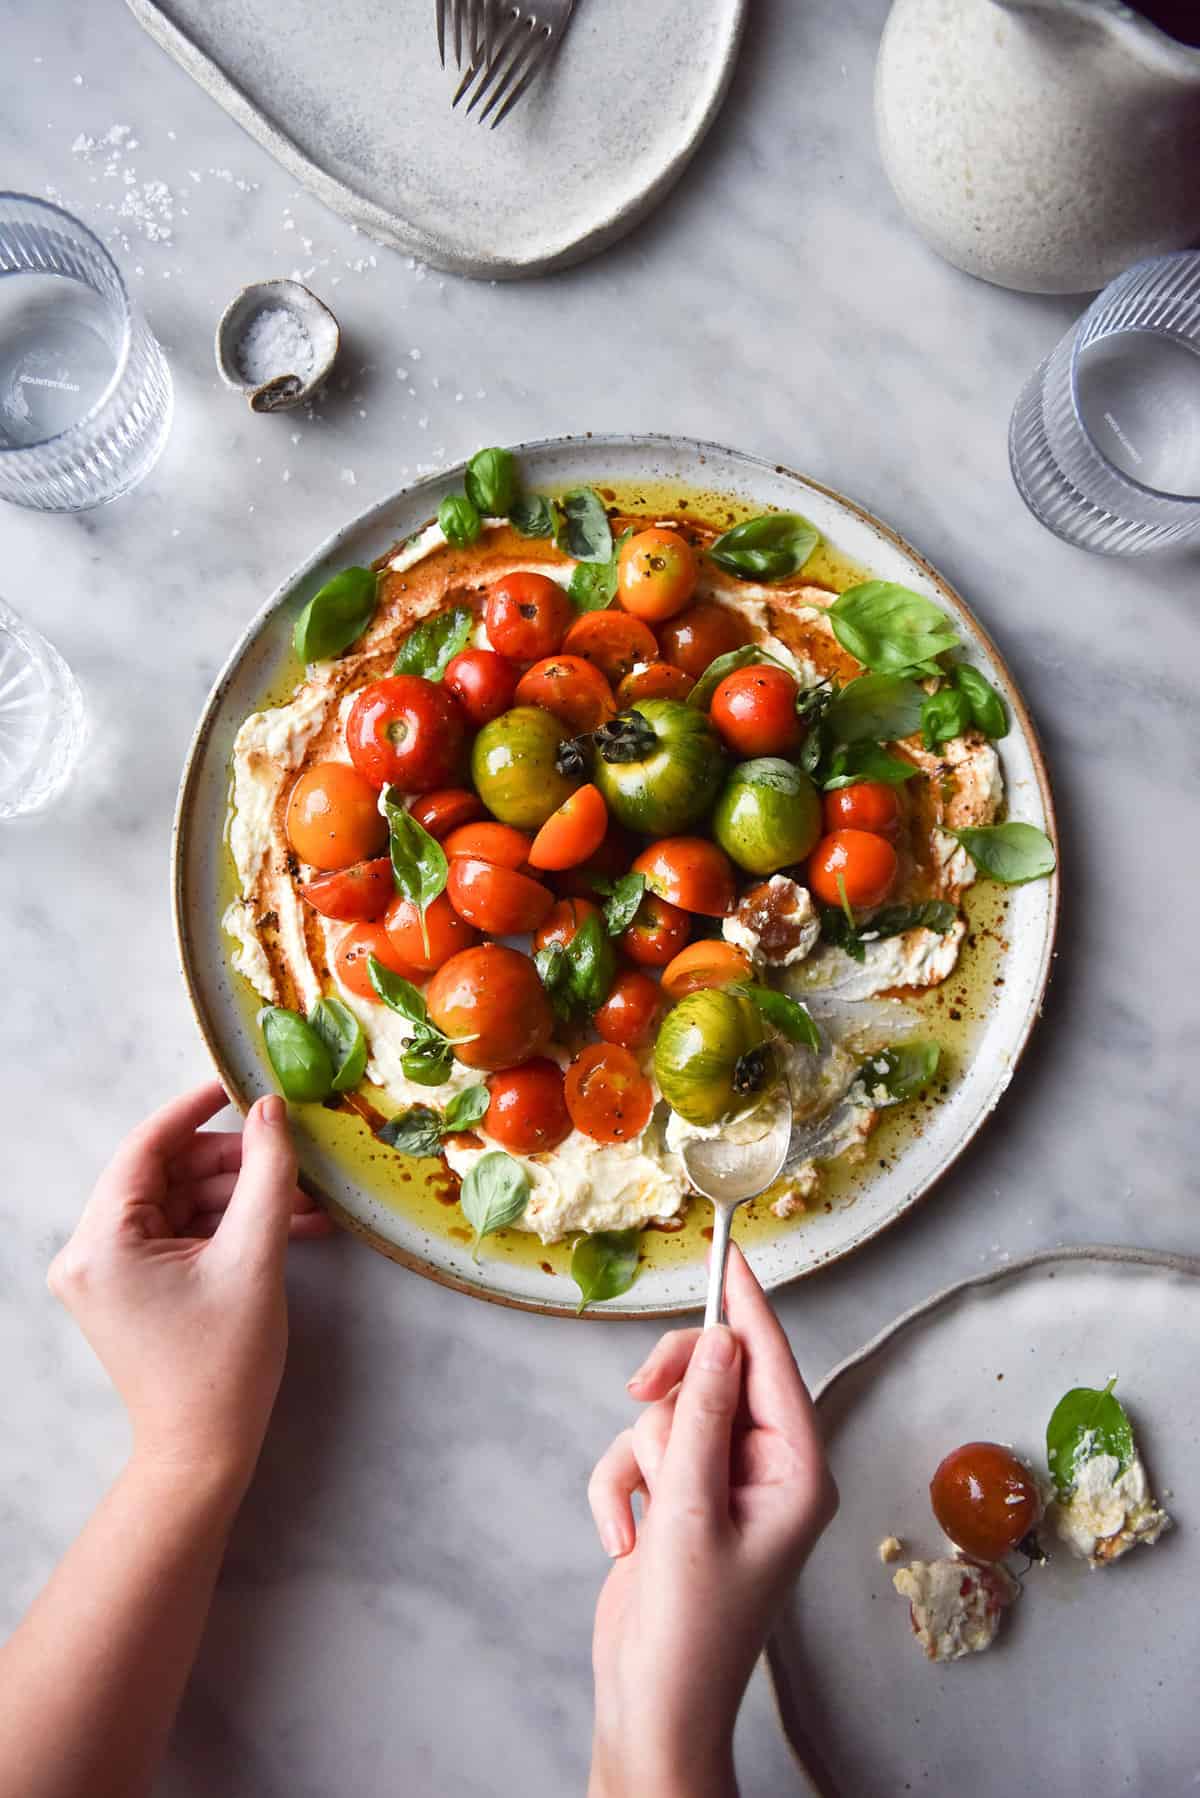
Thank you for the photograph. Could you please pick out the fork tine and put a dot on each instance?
(533, 67)
(525, 62)
(486, 71)
(441, 31)
(509, 52)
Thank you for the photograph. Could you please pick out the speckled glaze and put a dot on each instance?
(1040, 144)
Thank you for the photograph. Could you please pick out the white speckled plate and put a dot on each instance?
(1092, 1685)
(352, 101)
(262, 658)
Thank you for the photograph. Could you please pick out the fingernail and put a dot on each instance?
(638, 1378)
(272, 1109)
(613, 1541)
(716, 1348)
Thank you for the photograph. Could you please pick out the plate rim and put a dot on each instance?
(437, 480)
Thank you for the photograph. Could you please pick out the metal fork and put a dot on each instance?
(517, 42)
(469, 17)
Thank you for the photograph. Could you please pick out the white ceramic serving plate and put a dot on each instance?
(1092, 1686)
(262, 657)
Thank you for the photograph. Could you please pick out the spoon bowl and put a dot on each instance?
(733, 1167)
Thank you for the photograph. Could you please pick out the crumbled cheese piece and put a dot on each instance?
(1109, 1512)
(890, 1549)
(955, 1606)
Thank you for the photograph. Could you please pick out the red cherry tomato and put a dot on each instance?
(689, 872)
(574, 690)
(608, 1096)
(354, 951)
(488, 841)
(492, 995)
(867, 805)
(526, 616)
(985, 1499)
(701, 634)
(657, 572)
(612, 641)
(563, 921)
(444, 810)
(653, 680)
(498, 900)
(407, 732)
(356, 895)
(657, 934)
(483, 684)
(629, 1016)
(527, 1111)
(858, 860)
(447, 933)
(333, 817)
(754, 709)
(572, 833)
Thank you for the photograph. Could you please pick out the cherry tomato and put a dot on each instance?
(355, 895)
(482, 682)
(407, 732)
(612, 641)
(492, 995)
(356, 947)
(608, 1096)
(755, 711)
(656, 574)
(867, 805)
(526, 616)
(701, 634)
(610, 861)
(574, 690)
(563, 921)
(657, 934)
(709, 962)
(527, 1112)
(572, 833)
(689, 872)
(333, 817)
(858, 860)
(447, 933)
(444, 810)
(501, 844)
(630, 1014)
(498, 900)
(985, 1499)
(653, 680)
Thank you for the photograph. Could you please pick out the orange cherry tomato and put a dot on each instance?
(709, 962)
(630, 1014)
(492, 995)
(447, 933)
(657, 934)
(865, 864)
(572, 833)
(608, 1096)
(867, 805)
(614, 642)
(563, 921)
(653, 680)
(333, 817)
(574, 690)
(698, 636)
(985, 1499)
(527, 1111)
(502, 844)
(498, 900)
(657, 572)
(355, 949)
(442, 811)
(526, 616)
(407, 732)
(754, 709)
(483, 684)
(356, 895)
(689, 872)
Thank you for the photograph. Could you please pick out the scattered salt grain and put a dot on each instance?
(349, 477)
(275, 343)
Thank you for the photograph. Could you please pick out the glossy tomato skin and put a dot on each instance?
(691, 873)
(610, 861)
(448, 933)
(867, 805)
(355, 949)
(657, 934)
(657, 572)
(698, 636)
(526, 616)
(575, 691)
(527, 1113)
(333, 817)
(356, 895)
(560, 924)
(710, 962)
(514, 767)
(496, 900)
(608, 1096)
(614, 642)
(490, 842)
(483, 684)
(407, 732)
(445, 809)
(754, 710)
(653, 680)
(492, 994)
(630, 1014)
(659, 767)
(572, 834)
(865, 863)
(985, 1499)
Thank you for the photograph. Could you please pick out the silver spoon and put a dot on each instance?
(731, 1168)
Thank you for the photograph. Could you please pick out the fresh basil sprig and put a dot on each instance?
(745, 657)
(494, 1194)
(492, 482)
(419, 865)
(792, 1020)
(431, 646)
(844, 933)
(419, 1130)
(945, 714)
(429, 1053)
(585, 533)
(460, 520)
(336, 615)
(876, 708)
(342, 1034)
(1086, 1422)
(297, 1054)
(1010, 853)
(900, 1073)
(768, 548)
(865, 761)
(580, 972)
(622, 898)
(988, 712)
(604, 1266)
(889, 628)
(594, 584)
(532, 515)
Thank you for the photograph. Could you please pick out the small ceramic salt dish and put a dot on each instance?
(276, 343)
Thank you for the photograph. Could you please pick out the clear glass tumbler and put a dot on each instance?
(85, 392)
(1105, 438)
(41, 718)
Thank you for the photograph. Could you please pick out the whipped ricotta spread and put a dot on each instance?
(1109, 1512)
(955, 1606)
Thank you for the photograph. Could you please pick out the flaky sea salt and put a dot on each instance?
(275, 343)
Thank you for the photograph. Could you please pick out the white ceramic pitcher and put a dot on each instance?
(1040, 144)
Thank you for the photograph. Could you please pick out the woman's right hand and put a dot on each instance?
(736, 1487)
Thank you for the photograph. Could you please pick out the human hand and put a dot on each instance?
(175, 1275)
(728, 1457)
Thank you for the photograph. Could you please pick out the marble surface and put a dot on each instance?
(407, 1601)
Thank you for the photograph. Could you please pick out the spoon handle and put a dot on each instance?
(714, 1310)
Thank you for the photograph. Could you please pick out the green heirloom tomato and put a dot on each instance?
(768, 816)
(713, 1059)
(513, 767)
(659, 766)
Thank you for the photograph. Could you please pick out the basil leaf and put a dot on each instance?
(428, 1062)
(715, 673)
(888, 628)
(1010, 853)
(603, 1266)
(621, 907)
(492, 482)
(466, 1109)
(336, 615)
(866, 761)
(876, 708)
(460, 520)
(594, 584)
(419, 865)
(416, 1131)
(585, 533)
(988, 712)
(297, 1055)
(945, 714)
(534, 516)
(842, 932)
(554, 972)
(431, 646)
(768, 548)
(901, 1072)
(1086, 1422)
(592, 964)
(792, 1020)
(494, 1193)
(929, 914)
(342, 1034)
(398, 994)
